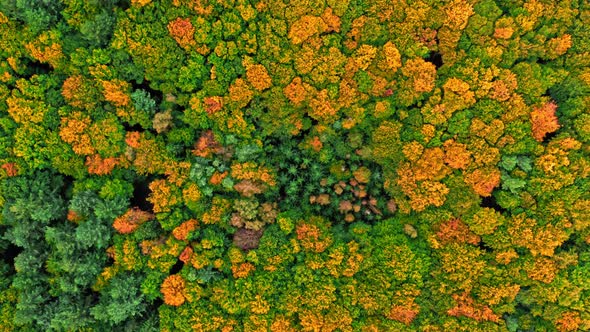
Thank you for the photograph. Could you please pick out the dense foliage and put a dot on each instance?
(325, 165)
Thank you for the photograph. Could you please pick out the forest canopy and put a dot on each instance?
(306, 165)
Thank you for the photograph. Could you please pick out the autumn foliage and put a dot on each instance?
(100, 166)
(181, 232)
(131, 220)
(544, 120)
(369, 165)
(467, 308)
(182, 30)
(173, 289)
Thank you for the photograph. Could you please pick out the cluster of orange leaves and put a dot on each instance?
(242, 270)
(305, 27)
(73, 130)
(312, 238)
(456, 154)
(182, 30)
(421, 193)
(186, 255)
(73, 216)
(76, 90)
(559, 45)
(455, 230)
(466, 307)
(115, 91)
(207, 145)
(544, 270)
(213, 104)
(258, 76)
(46, 48)
(540, 240)
(484, 180)
(162, 196)
(569, 321)
(430, 165)
(334, 319)
(10, 168)
(404, 313)
(173, 289)
(131, 220)
(544, 120)
(181, 232)
(101, 166)
(217, 178)
(251, 171)
(148, 155)
(132, 139)
(421, 73)
(297, 91)
(140, 3)
(322, 108)
(219, 208)
(308, 25)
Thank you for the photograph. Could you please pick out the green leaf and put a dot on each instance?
(512, 184)
(247, 152)
(508, 162)
(525, 163)
(227, 183)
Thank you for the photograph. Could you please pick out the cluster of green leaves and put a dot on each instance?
(60, 260)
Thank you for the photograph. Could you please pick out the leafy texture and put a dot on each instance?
(240, 165)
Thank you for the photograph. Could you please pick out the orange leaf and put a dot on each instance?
(544, 121)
